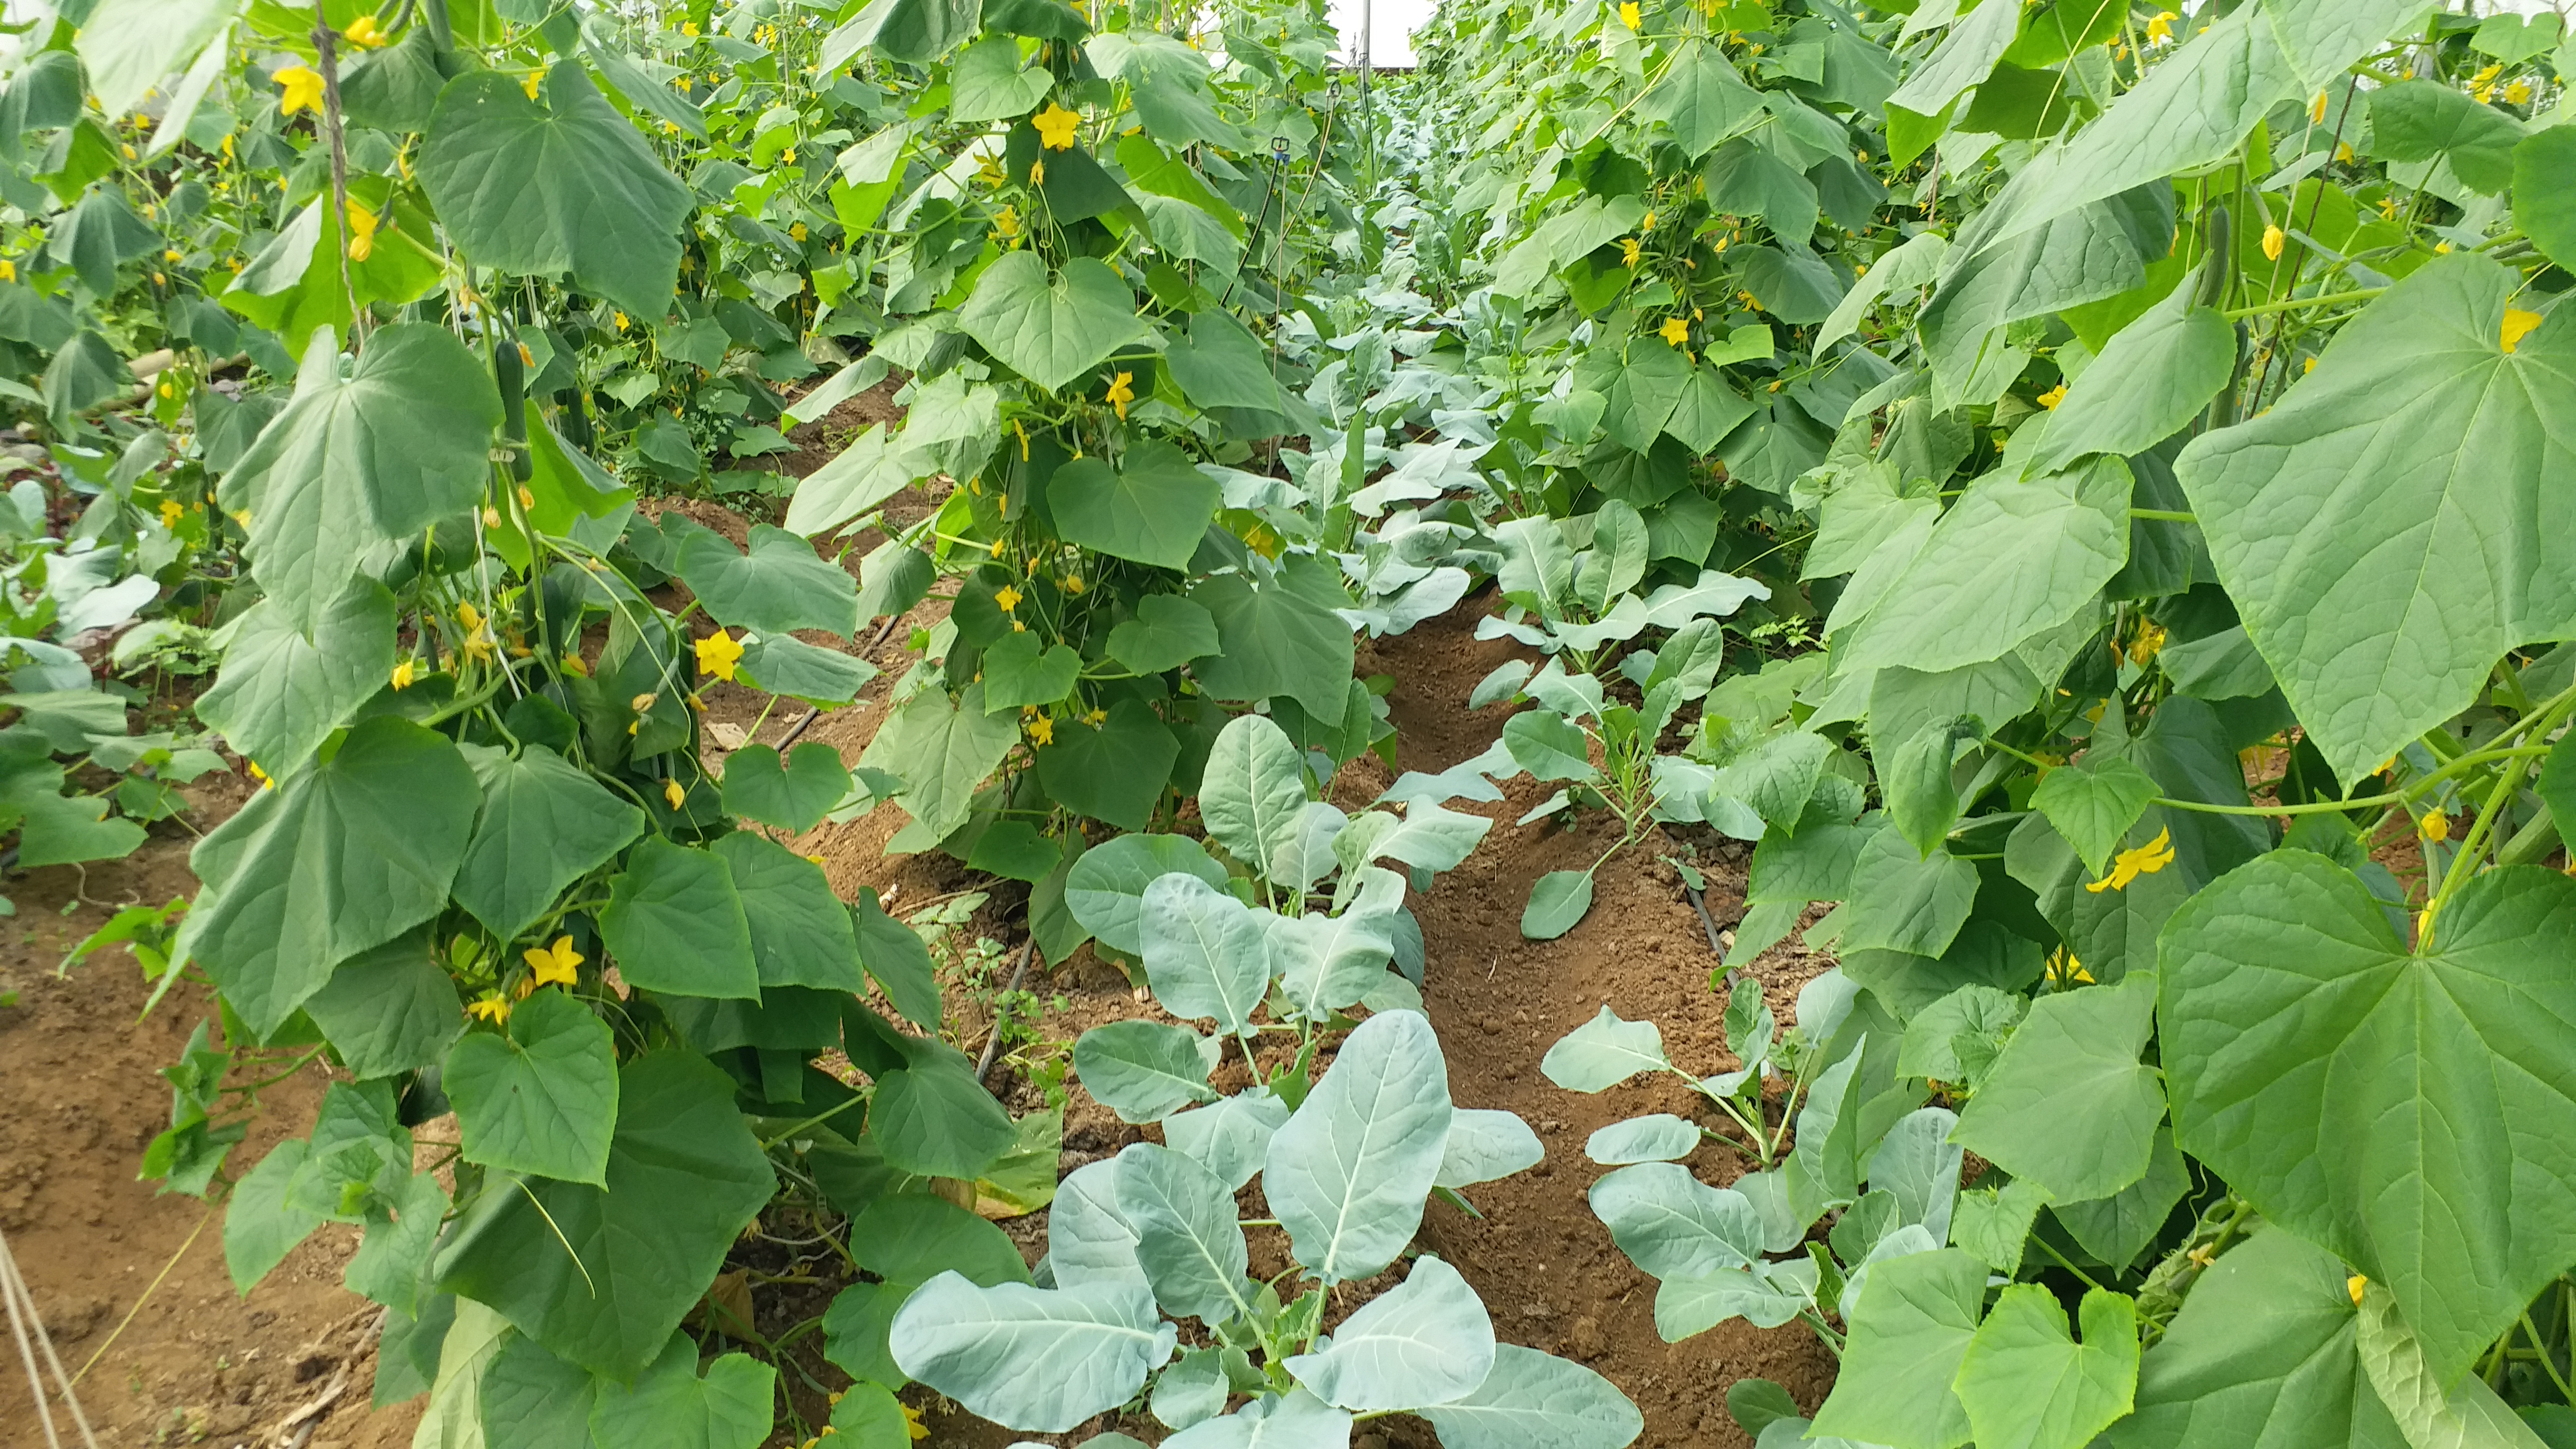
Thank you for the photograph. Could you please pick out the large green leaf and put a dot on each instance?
(1220, 364)
(1603, 1052)
(1349, 1173)
(784, 664)
(2093, 804)
(1427, 1340)
(1961, 60)
(1253, 789)
(2029, 1385)
(1154, 509)
(283, 690)
(1203, 951)
(2192, 109)
(1279, 636)
(1534, 1400)
(942, 751)
(2412, 1111)
(1146, 1070)
(399, 443)
(564, 186)
(345, 857)
(991, 82)
(675, 923)
(873, 468)
(793, 794)
(779, 586)
(1041, 1359)
(801, 934)
(2011, 558)
(2544, 210)
(262, 1224)
(897, 959)
(2422, 120)
(2068, 1105)
(1106, 888)
(934, 1119)
(129, 46)
(391, 1009)
(544, 825)
(2152, 378)
(2095, 251)
(63, 830)
(672, 1404)
(1113, 770)
(2425, 1409)
(1051, 329)
(539, 1097)
(914, 1237)
(1672, 1225)
(602, 1276)
(1902, 901)
(1909, 1331)
(1187, 1239)
(1703, 99)
(2386, 530)
(1167, 632)
(2262, 1353)
(1021, 670)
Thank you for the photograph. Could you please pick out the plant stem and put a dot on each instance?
(2266, 309)
(2547, 1361)
(2063, 1261)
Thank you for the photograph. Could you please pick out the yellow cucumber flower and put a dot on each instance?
(2130, 864)
(302, 90)
(1675, 331)
(1120, 394)
(491, 1006)
(2273, 240)
(2160, 27)
(1629, 15)
(1630, 249)
(672, 794)
(718, 653)
(1056, 126)
(362, 232)
(2055, 395)
(404, 673)
(2517, 325)
(554, 964)
(364, 33)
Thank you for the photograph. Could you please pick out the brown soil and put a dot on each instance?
(1544, 1264)
(198, 1363)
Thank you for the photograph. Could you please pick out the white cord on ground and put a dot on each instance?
(23, 1322)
